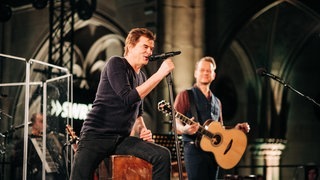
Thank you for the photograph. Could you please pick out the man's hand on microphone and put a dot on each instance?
(166, 67)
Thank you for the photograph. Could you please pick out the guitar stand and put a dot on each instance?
(169, 81)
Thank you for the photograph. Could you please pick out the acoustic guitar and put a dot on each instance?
(227, 145)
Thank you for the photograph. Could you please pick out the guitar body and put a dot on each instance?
(227, 145)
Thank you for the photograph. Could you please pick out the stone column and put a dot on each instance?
(266, 155)
(184, 31)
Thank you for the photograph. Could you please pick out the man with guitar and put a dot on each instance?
(117, 112)
(199, 104)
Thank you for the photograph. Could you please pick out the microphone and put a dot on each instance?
(163, 55)
(263, 72)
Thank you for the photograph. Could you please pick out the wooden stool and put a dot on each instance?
(125, 167)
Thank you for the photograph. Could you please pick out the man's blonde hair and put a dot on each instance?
(207, 59)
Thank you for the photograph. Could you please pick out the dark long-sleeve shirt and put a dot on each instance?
(117, 103)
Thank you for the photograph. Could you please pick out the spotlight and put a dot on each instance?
(39, 4)
(84, 9)
(5, 12)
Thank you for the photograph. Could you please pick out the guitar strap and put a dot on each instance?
(192, 105)
(194, 114)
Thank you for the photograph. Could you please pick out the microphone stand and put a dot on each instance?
(169, 81)
(5, 114)
(293, 89)
(5, 142)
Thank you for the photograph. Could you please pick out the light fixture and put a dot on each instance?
(85, 9)
(39, 4)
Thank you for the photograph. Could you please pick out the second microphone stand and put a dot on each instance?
(281, 81)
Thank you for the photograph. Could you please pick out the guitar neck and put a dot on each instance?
(73, 137)
(165, 108)
(189, 121)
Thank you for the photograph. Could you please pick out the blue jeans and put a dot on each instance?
(93, 148)
(200, 165)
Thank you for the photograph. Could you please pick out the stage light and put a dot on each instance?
(5, 12)
(85, 9)
(39, 4)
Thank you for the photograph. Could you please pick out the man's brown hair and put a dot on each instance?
(134, 35)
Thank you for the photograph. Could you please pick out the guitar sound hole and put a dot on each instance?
(216, 140)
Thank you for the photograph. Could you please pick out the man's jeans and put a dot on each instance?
(93, 148)
(199, 164)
